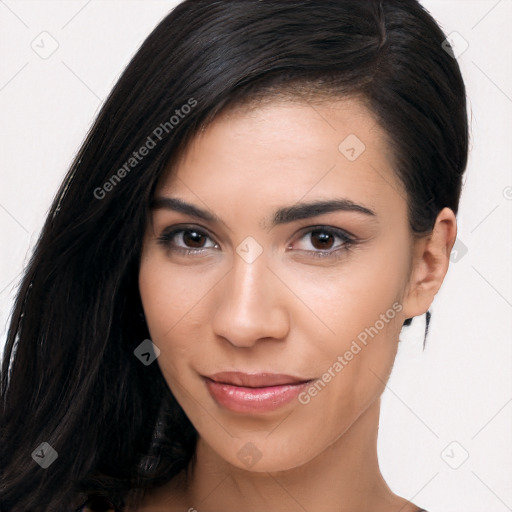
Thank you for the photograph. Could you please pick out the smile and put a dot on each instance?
(244, 399)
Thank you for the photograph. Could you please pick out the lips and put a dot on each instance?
(259, 380)
(256, 393)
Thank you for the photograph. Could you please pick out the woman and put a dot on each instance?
(214, 305)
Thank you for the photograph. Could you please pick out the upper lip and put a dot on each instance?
(255, 380)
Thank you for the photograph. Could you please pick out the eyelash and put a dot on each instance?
(349, 242)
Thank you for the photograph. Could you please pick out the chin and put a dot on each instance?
(251, 457)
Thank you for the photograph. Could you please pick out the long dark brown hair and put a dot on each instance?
(69, 374)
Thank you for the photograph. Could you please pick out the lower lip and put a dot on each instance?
(253, 400)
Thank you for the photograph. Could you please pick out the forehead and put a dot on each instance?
(284, 151)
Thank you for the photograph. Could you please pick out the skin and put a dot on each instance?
(287, 311)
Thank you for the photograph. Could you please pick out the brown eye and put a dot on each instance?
(320, 242)
(193, 238)
(321, 239)
(186, 240)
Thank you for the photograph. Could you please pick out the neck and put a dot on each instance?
(344, 477)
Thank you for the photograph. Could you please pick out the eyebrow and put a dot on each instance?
(282, 215)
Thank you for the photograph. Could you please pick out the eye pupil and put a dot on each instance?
(323, 237)
(190, 236)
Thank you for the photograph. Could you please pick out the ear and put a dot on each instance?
(431, 257)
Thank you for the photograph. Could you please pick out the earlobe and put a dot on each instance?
(431, 259)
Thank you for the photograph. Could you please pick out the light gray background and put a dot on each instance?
(451, 401)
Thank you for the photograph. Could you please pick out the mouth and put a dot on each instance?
(254, 393)
(257, 380)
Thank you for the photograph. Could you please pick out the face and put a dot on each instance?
(312, 292)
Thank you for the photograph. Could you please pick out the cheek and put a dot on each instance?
(344, 300)
(177, 306)
(169, 294)
(359, 305)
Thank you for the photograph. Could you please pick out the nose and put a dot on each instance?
(251, 304)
